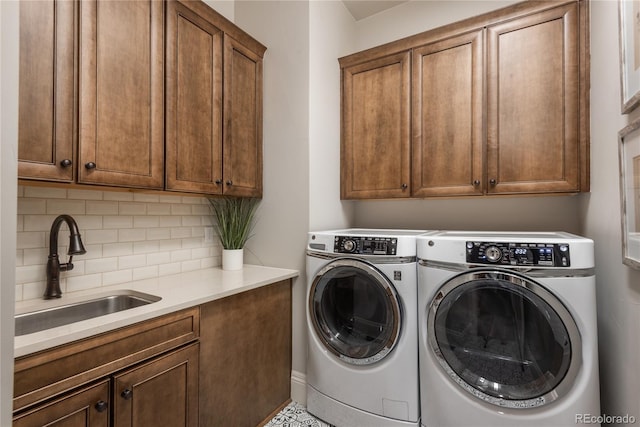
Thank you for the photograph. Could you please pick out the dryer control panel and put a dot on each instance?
(363, 245)
(519, 254)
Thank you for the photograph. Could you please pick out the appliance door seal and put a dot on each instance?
(504, 338)
(355, 311)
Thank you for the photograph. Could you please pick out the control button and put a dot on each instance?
(469, 245)
(349, 245)
(493, 254)
(564, 248)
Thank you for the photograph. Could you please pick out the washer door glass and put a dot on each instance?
(355, 311)
(504, 338)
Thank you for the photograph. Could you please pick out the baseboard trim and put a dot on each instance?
(299, 387)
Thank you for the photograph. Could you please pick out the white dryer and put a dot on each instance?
(362, 366)
(507, 329)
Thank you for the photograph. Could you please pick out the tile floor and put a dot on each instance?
(295, 415)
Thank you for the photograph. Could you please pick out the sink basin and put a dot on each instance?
(41, 320)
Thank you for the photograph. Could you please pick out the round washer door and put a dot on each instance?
(504, 338)
(355, 311)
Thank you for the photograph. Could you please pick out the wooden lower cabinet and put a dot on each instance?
(88, 407)
(245, 356)
(224, 363)
(160, 392)
(163, 392)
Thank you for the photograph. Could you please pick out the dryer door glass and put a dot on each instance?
(355, 311)
(504, 338)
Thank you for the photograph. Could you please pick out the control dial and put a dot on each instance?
(493, 253)
(349, 245)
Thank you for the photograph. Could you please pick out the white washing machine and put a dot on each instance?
(362, 366)
(507, 329)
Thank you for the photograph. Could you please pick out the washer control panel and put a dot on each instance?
(519, 254)
(363, 245)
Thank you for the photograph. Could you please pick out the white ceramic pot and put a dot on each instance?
(232, 259)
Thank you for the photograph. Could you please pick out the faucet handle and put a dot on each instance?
(68, 266)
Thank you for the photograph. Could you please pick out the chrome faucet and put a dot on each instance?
(53, 264)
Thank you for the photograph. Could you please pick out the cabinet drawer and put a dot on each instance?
(86, 407)
(45, 374)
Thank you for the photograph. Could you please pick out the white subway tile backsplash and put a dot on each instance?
(158, 209)
(101, 207)
(145, 272)
(131, 261)
(146, 221)
(146, 198)
(34, 256)
(132, 208)
(30, 273)
(65, 206)
(100, 236)
(114, 221)
(32, 206)
(146, 247)
(191, 265)
(180, 232)
(181, 255)
(115, 277)
(80, 283)
(89, 222)
(84, 194)
(101, 265)
(45, 192)
(132, 235)
(117, 249)
(158, 258)
(128, 236)
(178, 209)
(171, 268)
(30, 240)
(170, 221)
(119, 196)
(170, 199)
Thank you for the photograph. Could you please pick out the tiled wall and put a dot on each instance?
(128, 236)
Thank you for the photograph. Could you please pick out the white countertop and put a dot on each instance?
(177, 292)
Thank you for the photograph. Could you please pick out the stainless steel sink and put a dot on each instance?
(41, 320)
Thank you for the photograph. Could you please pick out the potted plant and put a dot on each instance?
(234, 222)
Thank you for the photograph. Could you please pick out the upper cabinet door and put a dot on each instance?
(242, 146)
(376, 117)
(194, 102)
(46, 110)
(121, 106)
(447, 117)
(533, 112)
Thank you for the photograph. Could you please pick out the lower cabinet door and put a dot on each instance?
(162, 392)
(88, 407)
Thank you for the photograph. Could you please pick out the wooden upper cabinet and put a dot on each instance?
(536, 136)
(376, 118)
(447, 117)
(242, 118)
(46, 105)
(499, 105)
(121, 87)
(194, 102)
(214, 104)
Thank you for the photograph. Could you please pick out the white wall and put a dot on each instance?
(9, 19)
(618, 286)
(280, 234)
(328, 42)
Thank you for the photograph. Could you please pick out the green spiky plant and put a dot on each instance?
(235, 219)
